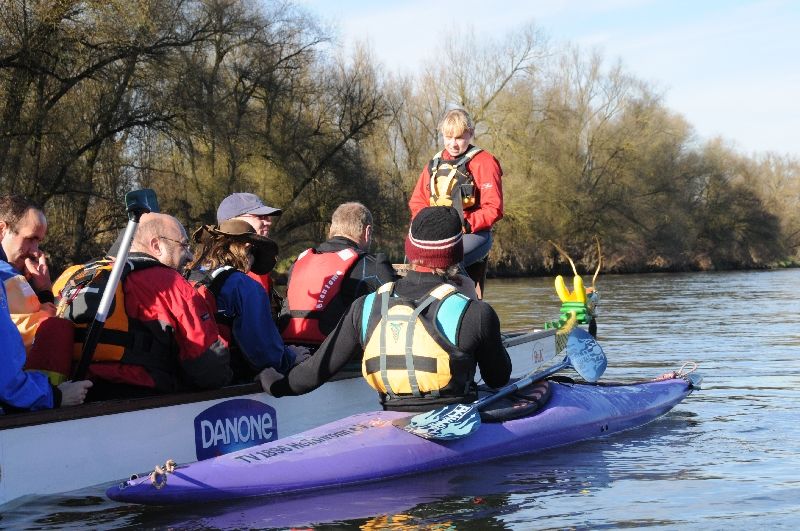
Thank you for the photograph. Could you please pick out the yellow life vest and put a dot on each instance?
(409, 354)
(451, 183)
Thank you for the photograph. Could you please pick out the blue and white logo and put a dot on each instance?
(233, 425)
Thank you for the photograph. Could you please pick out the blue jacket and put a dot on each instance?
(254, 330)
(18, 388)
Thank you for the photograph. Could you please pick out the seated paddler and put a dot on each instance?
(325, 280)
(159, 337)
(226, 255)
(420, 340)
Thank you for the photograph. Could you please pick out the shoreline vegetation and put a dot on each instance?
(198, 99)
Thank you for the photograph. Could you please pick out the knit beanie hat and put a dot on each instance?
(435, 238)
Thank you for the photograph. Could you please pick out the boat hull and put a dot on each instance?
(98, 443)
(370, 446)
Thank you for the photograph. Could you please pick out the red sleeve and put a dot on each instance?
(486, 171)
(421, 196)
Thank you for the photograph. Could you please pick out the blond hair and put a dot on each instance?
(456, 122)
(350, 220)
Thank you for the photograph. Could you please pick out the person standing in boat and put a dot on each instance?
(225, 256)
(325, 280)
(421, 340)
(161, 337)
(469, 179)
(252, 210)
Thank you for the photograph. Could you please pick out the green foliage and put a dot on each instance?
(199, 99)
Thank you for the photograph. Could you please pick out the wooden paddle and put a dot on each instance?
(137, 203)
(456, 421)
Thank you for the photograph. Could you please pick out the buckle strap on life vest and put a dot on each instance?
(456, 178)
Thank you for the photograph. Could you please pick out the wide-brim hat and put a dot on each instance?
(265, 250)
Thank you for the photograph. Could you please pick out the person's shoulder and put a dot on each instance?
(479, 306)
(7, 270)
(485, 163)
(158, 277)
(485, 156)
(239, 278)
(380, 260)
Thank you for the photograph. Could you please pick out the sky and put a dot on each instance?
(730, 67)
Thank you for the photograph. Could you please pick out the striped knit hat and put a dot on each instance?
(435, 238)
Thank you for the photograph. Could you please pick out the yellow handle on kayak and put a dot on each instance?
(577, 295)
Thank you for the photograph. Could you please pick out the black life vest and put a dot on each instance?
(451, 184)
(412, 355)
(209, 284)
(314, 294)
(122, 339)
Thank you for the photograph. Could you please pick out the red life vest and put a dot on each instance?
(314, 294)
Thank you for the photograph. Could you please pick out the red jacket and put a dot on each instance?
(177, 319)
(486, 172)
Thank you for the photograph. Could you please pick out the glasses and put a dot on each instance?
(186, 245)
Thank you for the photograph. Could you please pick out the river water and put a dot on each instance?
(728, 457)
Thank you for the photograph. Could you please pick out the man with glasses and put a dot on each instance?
(250, 208)
(162, 338)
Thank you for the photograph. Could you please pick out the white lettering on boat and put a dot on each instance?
(291, 444)
(238, 430)
(538, 353)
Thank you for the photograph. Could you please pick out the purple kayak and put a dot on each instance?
(370, 446)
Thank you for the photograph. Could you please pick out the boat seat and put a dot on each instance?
(523, 403)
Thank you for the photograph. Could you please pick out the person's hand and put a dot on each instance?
(49, 308)
(267, 377)
(37, 273)
(74, 393)
(301, 354)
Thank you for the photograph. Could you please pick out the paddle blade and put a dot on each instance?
(585, 355)
(446, 423)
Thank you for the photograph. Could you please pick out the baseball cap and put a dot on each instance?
(242, 203)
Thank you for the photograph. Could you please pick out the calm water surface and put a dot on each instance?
(728, 457)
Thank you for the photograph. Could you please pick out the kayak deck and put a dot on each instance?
(370, 446)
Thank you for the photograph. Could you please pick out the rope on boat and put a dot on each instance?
(159, 475)
(686, 369)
